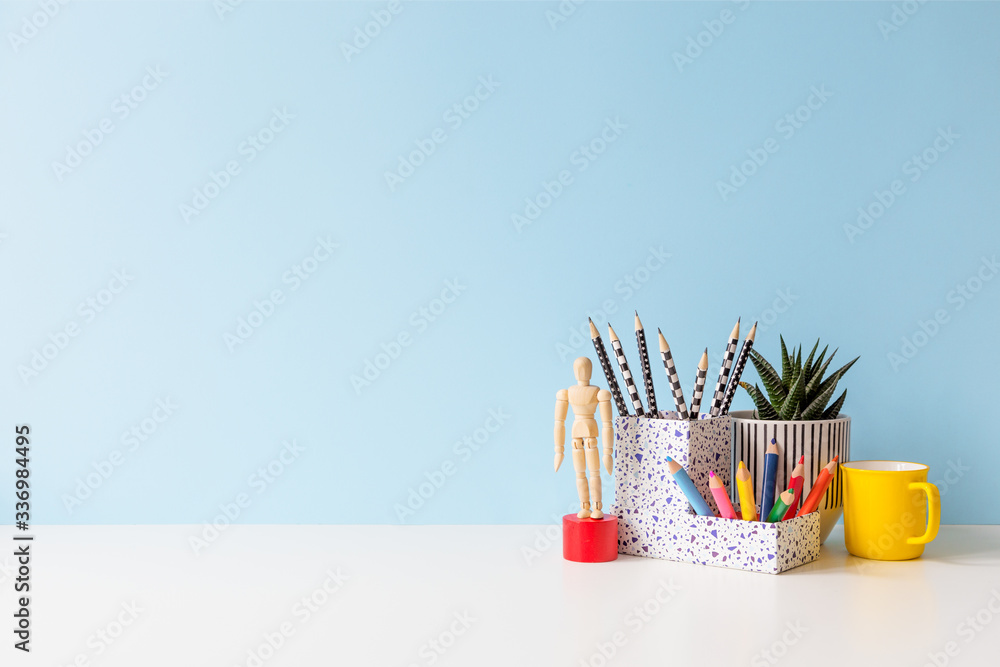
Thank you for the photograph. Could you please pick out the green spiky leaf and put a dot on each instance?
(815, 408)
(769, 377)
(807, 367)
(764, 409)
(837, 374)
(795, 394)
(833, 411)
(817, 379)
(786, 365)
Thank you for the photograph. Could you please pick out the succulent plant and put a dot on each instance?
(800, 392)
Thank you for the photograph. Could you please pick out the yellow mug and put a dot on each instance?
(884, 509)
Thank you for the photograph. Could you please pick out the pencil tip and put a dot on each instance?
(802, 459)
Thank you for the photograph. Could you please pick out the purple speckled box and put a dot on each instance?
(656, 521)
(642, 481)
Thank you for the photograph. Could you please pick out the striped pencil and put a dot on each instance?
(744, 486)
(770, 475)
(647, 372)
(819, 487)
(781, 506)
(741, 362)
(795, 484)
(687, 486)
(699, 385)
(602, 355)
(675, 383)
(633, 393)
(727, 363)
(721, 496)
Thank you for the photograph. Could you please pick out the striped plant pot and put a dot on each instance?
(819, 441)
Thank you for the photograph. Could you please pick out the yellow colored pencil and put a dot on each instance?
(744, 485)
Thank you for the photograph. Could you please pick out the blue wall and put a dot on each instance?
(474, 310)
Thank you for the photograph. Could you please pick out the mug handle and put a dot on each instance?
(933, 512)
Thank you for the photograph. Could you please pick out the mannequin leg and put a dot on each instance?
(579, 465)
(594, 468)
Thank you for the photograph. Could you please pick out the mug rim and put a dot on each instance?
(916, 467)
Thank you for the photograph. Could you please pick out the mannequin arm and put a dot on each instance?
(562, 406)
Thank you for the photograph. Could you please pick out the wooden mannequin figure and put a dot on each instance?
(585, 399)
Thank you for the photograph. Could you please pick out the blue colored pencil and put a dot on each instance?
(770, 473)
(687, 486)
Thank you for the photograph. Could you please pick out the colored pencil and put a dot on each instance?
(687, 486)
(781, 505)
(647, 372)
(770, 475)
(633, 393)
(741, 362)
(819, 487)
(602, 356)
(675, 383)
(795, 484)
(721, 496)
(744, 486)
(699, 385)
(727, 363)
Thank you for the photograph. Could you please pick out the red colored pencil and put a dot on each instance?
(819, 487)
(795, 484)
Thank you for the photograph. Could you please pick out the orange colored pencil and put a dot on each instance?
(819, 487)
(795, 484)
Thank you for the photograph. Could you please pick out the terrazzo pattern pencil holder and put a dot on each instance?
(655, 519)
(754, 546)
(642, 445)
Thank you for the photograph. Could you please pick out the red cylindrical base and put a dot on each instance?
(590, 540)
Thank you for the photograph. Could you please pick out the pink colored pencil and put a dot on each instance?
(795, 484)
(721, 496)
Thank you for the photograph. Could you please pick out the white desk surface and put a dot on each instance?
(408, 588)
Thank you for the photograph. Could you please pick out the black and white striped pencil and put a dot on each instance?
(741, 362)
(675, 383)
(727, 364)
(609, 373)
(699, 385)
(633, 393)
(647, 372)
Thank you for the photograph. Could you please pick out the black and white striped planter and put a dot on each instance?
(819, 441)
